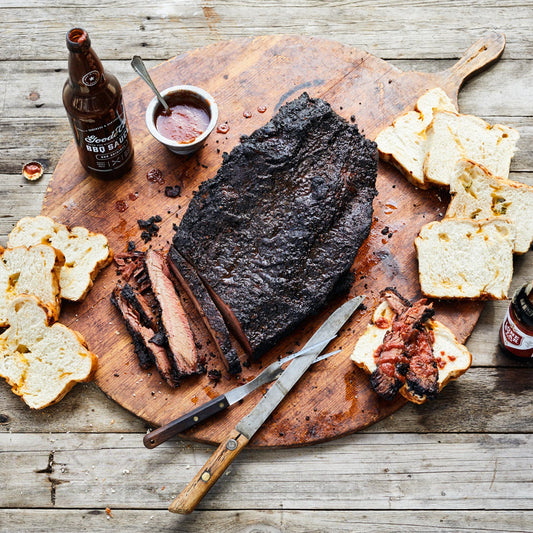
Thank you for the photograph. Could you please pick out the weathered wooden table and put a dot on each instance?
(461, 463)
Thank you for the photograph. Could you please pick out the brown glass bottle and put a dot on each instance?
(93, 100)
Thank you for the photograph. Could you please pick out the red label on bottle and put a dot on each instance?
(514, 338)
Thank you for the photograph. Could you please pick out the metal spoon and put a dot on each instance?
(139, 67)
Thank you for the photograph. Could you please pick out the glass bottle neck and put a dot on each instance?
(85, 69)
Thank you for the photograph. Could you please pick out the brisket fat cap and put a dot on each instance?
(283, 219)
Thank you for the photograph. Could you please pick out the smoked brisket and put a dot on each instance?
(281, 222)
(154, 316)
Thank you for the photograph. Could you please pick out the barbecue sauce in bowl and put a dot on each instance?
(188, 118)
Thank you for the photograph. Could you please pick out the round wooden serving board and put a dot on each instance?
(334, 397)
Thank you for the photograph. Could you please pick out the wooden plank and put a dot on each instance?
(482, 400)
(309, 521)
(391, 29)
(35, 87)
(50, 137)
(363, 471)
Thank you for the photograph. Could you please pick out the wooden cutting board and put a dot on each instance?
(334, 397)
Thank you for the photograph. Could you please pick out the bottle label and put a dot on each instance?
(91, 78)
(514, 339)
(107, 145)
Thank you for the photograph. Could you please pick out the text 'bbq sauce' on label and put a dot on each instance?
(516, 332)
(93, 100)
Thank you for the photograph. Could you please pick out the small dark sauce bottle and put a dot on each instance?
(93, 100)
(516, 332)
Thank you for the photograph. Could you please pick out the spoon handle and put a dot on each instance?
(139, 67)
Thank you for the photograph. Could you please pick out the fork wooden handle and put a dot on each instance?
(208, 475)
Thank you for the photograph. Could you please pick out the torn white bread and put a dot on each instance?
(465, 258)
(85, 253)
(452, 137)
(453, 358)
(41, 362)
(404, 143)
(34, 270)
(478, 194)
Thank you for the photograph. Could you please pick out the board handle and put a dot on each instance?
(208, 475)
(479, 56)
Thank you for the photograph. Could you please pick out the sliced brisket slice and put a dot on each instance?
(271, 234)
(406, 354)
(126, 300)
(193, 286)
(173, 320)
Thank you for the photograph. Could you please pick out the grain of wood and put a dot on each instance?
(483, 400)
(392, 471)
(98, 520)
(33, 46)
(35, 87)
(195, 23)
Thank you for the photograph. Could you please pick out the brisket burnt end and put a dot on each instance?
(271, 234)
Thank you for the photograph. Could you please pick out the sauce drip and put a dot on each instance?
(261, 109)
(121, 206)
(223, 128)
(155, 176)
(187, 120)
(247, 114)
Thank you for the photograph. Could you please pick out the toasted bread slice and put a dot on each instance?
(478, 194)
(453, 358)
(452, 137)
(33, 270)
(465, 258)
(86, 253)
(404, 143)
(42, 362)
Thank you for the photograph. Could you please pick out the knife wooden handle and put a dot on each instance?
(201, 413)
(215, 466)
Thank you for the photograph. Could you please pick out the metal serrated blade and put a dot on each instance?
(253, 421)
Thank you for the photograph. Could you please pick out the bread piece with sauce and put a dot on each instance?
(465, 258)
(453, 359)
(41, 362)
(86, 253)
(452, 137)
(404, 143)
(478, 194)
(34, 270)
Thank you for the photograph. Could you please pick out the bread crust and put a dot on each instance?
(43, 322)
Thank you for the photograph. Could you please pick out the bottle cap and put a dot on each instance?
(523, 305)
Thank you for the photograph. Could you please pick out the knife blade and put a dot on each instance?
(222, 402)
(237, 439)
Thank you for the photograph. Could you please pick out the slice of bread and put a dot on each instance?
(453, 358)
(452, 137)
(404, 143)
(465, 258)
(86, 253)
(42, 362)
(477, 194)
(33, 270)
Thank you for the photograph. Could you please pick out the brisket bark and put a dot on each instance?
(154, 316)
(146, 339)
(191, 283)
(282, 221)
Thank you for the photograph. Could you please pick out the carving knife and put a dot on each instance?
(233, 444)
(222, 402)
